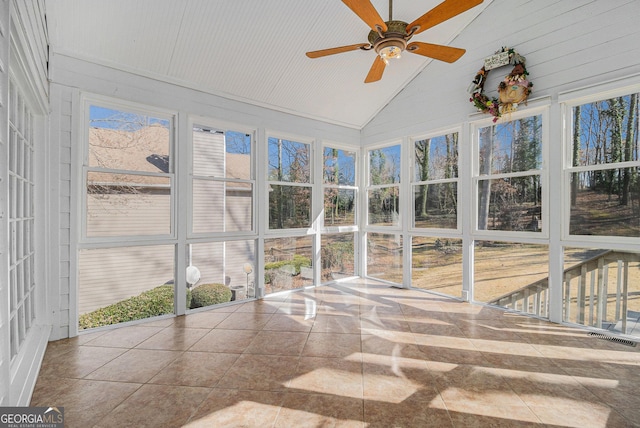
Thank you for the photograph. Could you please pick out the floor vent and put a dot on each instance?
(613, 339)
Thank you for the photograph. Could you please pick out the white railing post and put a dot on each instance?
(602, 298)
(625, 289)
(618, 290)
(567, 297)
(582, 288)
(592, 291)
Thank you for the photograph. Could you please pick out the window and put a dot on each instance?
(289, 177)
(339, 187)
(509, 176)
(435, 182)
(222, 185)
(128, 173)
(603, 175)
(383, 190)
(126, 257)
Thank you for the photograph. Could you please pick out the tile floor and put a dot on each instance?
(353, 355)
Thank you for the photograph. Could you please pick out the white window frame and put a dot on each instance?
(543, 172)
(311, 185)
(568, 102)
(88, 100)
(355, 187)
(190, 177)
(413, 183)
(392, 229)
(333, 230)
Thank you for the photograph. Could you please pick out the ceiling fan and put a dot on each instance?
(390, 38)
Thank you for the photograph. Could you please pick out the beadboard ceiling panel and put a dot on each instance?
(250, 50)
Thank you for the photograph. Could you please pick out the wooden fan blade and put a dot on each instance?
(439, 52)
(331, 51)
(445, 10)
(375, 73)
(365, 10)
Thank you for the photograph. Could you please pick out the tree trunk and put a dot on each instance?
(484, 197)
(575, 152)
(631, 135)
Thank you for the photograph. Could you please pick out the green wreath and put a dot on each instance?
(517, 78)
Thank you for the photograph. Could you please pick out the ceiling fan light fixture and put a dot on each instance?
(390, 48)
(389, 52)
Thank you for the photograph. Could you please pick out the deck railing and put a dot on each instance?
(530, 299)
(595, 292)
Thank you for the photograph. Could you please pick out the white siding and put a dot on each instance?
(30, 17)
(63, 103)
(133, 214)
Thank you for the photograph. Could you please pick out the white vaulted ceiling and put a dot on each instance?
(250, 50)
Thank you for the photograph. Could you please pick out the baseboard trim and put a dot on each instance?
(26, 365)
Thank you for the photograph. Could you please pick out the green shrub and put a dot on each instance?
(209, 294)
(150, 303)
(297, 262)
